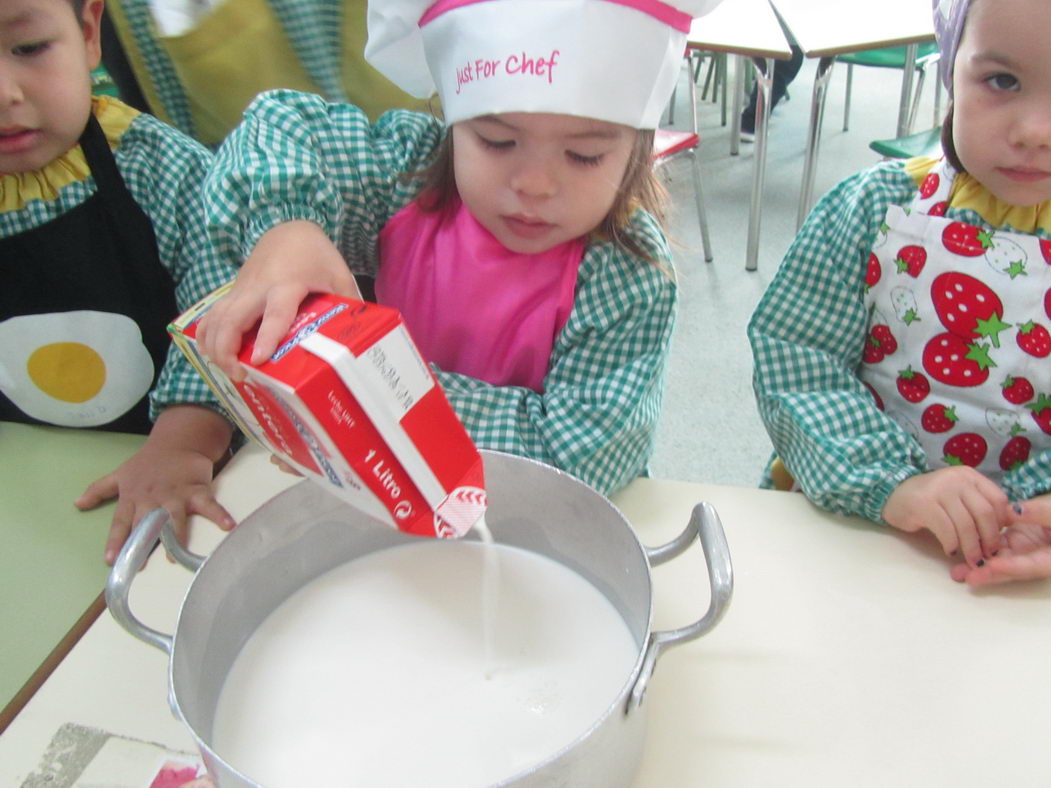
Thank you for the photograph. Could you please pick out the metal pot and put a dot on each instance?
(305, 531)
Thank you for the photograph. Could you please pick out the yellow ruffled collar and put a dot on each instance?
(968, 194)
(18, 189)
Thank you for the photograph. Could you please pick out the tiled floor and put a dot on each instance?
(710, 430)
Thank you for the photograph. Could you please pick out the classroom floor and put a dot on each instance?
(710, 430)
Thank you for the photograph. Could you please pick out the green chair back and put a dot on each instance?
(922, 143)
(102, 83)
(888, 57)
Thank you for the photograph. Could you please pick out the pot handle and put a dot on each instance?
(132, 556)
(704, 524)
(171, 543)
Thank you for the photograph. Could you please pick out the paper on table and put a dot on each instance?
(83, 757)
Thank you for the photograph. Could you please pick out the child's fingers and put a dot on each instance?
(1006, 567)
(959, 572)
(988, 512)
(284, 466)
(211, 509)
(939, 523)
(1026, 555)
(119, 530)
(228, 335)
(281, 309)
(99, 491)
(966, 529)
(221, 331)
(1035, 510)
(343, 282)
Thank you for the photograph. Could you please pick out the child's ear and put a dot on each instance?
(91, 25)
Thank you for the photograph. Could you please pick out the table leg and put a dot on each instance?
(764, 73)
(908, 77)
(817, 113)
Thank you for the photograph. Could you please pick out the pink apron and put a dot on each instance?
(958, 339)
(471, 305)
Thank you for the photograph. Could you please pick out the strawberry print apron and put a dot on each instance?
(958, 346)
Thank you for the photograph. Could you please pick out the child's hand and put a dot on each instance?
(962, 508)
(289, 262)
(177, 480)
(1026, 551)
(173, 470)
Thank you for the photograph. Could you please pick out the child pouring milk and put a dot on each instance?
(101, 243)
(901, 352)
(519, 238)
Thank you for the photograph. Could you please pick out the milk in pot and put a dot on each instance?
(377, 673)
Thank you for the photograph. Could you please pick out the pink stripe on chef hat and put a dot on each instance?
(670, 16)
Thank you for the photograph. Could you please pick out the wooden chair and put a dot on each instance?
(894, 57)
(670, 144)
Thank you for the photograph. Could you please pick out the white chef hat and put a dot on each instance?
(614, 60)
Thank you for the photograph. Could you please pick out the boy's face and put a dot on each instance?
(1002, 99)
(46, 59)
(535, 180)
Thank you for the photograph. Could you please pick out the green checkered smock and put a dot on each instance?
(164, 170)
(298, 157)
(808, 335)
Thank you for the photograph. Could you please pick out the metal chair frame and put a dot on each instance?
(669, 144)
(923, 64)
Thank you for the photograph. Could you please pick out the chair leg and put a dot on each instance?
(712, 67)
(921, 78)
(722, 76)
(846, 100)
(702, 215)
(699, 58)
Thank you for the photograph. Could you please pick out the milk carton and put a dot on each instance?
(348, 400)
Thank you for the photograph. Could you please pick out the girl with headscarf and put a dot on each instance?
(901, 352)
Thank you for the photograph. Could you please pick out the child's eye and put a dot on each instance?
(1002, 82)
(587, 161)
(30, 49)
(496, 144)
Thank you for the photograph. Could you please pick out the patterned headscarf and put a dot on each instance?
(949, 16)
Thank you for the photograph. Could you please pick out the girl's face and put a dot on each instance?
(535, 180)
(46, 59)
(1002, 99)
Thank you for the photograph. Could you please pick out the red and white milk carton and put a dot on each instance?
(348, 400)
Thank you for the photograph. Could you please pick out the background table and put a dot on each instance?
(847, 657)
(51, 567)
(826, 28)
(749, 30)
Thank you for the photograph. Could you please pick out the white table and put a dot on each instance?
(749, 30)
(847, 657)
(826, 28)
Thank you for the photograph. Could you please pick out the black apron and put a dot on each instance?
(100, 256)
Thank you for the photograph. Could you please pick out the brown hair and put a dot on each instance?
(639, 188)
(948, 146)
